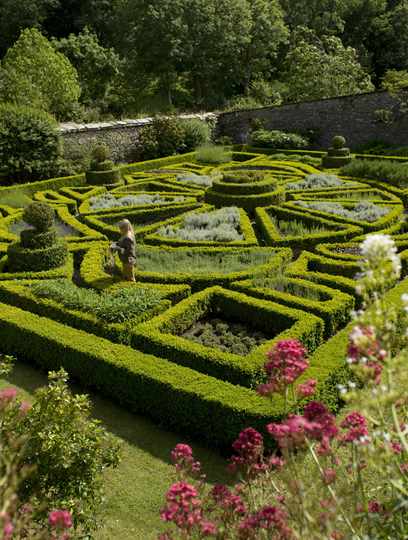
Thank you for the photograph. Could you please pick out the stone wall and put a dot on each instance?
(358, 118)
(121, 136)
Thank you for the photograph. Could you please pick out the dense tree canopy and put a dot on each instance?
(139, 55)
(34, 74)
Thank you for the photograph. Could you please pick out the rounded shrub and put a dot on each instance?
(30, 145)
(22, 259)
(196, 133)
(101, 153)
(163, 137)
(31, 239)
(40, 216)
(338, 142)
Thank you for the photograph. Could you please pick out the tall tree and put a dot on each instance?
(16, 15)
(98, 67)
(323, 16)
(34, 74)
(319, 68)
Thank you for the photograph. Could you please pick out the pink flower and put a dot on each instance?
(329, 476)
(286, 363)
(307, 388)
(396, 447)
(227, 500)
(356, 425)
(7, 395)
(208, 528)
(249, 447)
(290, 433)
(181, 451)
(25, 406)
(183, 506)
(270, 518)
(8, 530)
(183, 459)
(374, 507)
(60, 519)
(322, 424)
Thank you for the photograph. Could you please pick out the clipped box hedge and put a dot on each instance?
(65, 271)
(333, 308)
(337, 232)
(206, 408)
(16, 294)
(327, 271)
(106, 222)
(93, 273)
(246, 230)
(248, 202)
(395, 213)
(161, 336)
(53, 183)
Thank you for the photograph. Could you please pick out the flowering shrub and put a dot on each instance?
(51, 458)
(329, 478)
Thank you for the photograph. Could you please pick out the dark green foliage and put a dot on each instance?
(263, 138)
(40, 216)
(30, 146)
(31, 239)
(98, 67)
(164, 137)
(386, 170)
(196, 133)
(338, 155)
(119, 306)
(101, 153)
(230, 337)
(21, 259)
(338, 141)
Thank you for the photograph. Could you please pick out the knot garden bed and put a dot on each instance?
(230, 259)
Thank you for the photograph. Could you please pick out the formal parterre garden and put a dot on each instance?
(231, 258)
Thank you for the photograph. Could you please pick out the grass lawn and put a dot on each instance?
(135, 490)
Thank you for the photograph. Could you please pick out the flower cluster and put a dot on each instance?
(183, 506)
(183, 460)
(249, 449)
(230, 502)
(316, 423)
(378, 250)
(357, 429)
(366, 351)
(286, 363)
(271, 519)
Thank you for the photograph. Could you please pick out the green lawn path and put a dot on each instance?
(135, 490)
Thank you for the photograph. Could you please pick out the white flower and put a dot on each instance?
(377, 249)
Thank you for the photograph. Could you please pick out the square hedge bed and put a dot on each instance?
(161, 335)
(336, 232)
(19, 294)
(93, 273)
(332, 305)
(192, 403)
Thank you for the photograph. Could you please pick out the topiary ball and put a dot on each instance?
(40, 216)
(101, 153)
(338, 142)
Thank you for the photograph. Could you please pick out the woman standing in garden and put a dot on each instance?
(126, 249)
